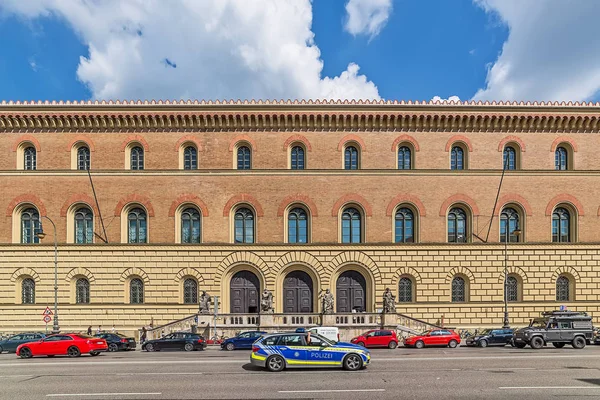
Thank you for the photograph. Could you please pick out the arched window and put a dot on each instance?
(28, 291)
(512, 288)
(297, 226)
(297, 154)
(190, 158)
(459, 290)
(561, 159)
(509, 223)
(244, 158)
(510, 158)
(457, 158)
(83, 158)
(136, 291)
(405, 290)
(563, 288)
(190, 291)
(404, 160)
(404, 226)
(561, 225)
(244, 226)
(82, 291)
(30, 158)
(84, 226)
(30, 224)
(137, 158)
(190, 225)
(457, 226)
(137, 227)
(351, 158)
(351, 226)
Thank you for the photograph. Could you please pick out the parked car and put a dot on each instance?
(491, 337)
(11, 343)
(434, 337)
(330, 332)
(117, 341)
(596, 336)
(377, 338)
(242, 341)
(63, 344)
(176, 341)
(556, 327)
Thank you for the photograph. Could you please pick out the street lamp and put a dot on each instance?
(41, 235)
(517, 233)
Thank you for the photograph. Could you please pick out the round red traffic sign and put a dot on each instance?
(47, 318)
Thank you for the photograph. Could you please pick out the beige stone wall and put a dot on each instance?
(163, 268)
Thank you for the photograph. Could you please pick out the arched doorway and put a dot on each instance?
(351, 289)
(298, 293)
(244, 291)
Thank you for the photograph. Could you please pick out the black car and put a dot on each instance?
(10, 344)
(117, 341)
(491, 337)
(176, 341)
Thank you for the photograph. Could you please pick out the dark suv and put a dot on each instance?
(558, 328)
(491, 337)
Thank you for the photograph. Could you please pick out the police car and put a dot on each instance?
(305, 350)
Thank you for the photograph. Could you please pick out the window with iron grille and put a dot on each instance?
(561, 159)
(563, 289)
(509, 223)
(404, 160)
(561, 225)
(28, 291)
(136, 291)
(510, 158)
(512, 288)
(30, 225)
(457, 158)
(137, 227)
(30, 156)
(405, 290)
(244, 158)
(350, 158)
(190, 158)
(297, 154)
(83, 158)
(457, 226)
(459, 294)
(82, 291)
(244, 226)
(84, 226)
(190, 225)
(137, 158)
(190, 291)
(404, 226)
(351, 226)
(298, 226)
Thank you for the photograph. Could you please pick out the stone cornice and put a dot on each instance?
(343, 116)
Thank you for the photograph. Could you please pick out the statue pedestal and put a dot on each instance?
(329, 320)
(266, 321)
(389, 320)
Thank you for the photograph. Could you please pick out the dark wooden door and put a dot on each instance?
(244, 290)
(350, 292)
(298, 293)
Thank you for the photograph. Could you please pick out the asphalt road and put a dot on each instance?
(439, 373)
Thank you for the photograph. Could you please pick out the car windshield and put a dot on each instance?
(538, 323)
(120, 335)
(81, 335)
(425, 333)
(365, 333)
(485, 332)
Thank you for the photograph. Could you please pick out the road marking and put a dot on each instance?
(331, 391)
(483, 358)
(548, 387)
(102, 394)
(158, 373)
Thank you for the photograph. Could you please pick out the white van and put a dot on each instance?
(330, 332)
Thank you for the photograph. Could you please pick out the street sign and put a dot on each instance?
(47, 318)
(47, 311)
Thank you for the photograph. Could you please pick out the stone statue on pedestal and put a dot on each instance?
(327, 302)
(389, 301)
(266, 302)
(204, 303)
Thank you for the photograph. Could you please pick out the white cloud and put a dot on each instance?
(451, 98)
(217, 49)
(552, 52)
(367, 17)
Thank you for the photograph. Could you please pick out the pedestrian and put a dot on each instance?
(143, 335)
(99, 331)
(89, 331)
(113, 329)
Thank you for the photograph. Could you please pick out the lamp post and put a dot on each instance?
(41, 235)
(517, 233)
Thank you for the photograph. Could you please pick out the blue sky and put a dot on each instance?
(391, 49)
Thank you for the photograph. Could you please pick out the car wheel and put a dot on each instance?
(452, 344)
(113, 347)
(520, 345)
(188, 347)
(578, 342)
(361, 344)
(25, 353)
(558, 345)
(353, 362)
(73, 351)
(536, 343)
(419, 344)
(94, 353)
(392, 345)
(275, 363)
(230, 347)
(149, 347)
(483, 343)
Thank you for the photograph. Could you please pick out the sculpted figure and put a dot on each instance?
(389, 301)
(204, 303)
(327, 302)
(266, 301)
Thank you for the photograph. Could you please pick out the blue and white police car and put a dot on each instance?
(276, 352)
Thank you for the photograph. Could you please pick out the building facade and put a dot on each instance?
(430, 200)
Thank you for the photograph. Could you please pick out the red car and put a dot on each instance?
(377, 338)
(63, 344)
(434, 337)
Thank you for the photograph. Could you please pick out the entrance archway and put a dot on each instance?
(244, 293)
(298, 293)
(351, 289)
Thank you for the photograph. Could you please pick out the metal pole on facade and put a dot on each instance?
(41, 235)
(506, 237)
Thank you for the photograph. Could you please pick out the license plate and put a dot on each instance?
(99, 342)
